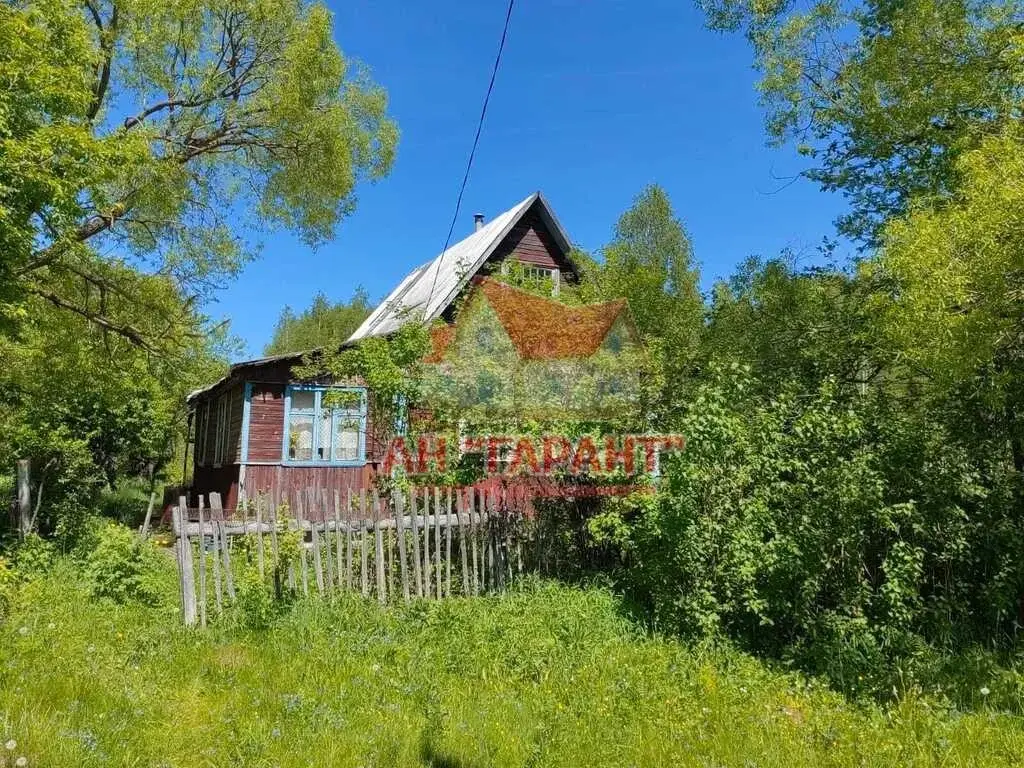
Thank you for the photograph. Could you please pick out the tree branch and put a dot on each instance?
(126, 331)
(107, 36)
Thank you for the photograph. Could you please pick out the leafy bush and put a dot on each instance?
(62, 471)
(834, 530)
(127, 503)
(33, 556)
(254, 607)
(125, 568)
(8, 581)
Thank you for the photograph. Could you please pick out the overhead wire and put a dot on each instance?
(472, 152)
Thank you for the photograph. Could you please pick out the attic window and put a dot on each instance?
(325, 425)
(533, 276)
(538, 273)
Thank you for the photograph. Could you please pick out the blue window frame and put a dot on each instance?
(324, 426)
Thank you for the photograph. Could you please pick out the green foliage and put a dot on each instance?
(123, 567)
(231, 107)
(958, 269)
(255, 607)
(127, 504)
(8, 583)
(884, 97)
(548, 675)
(65, 481)
(799, 326)
(650, 263)
(33, 556)
(90, 411)
(838, 530)
(322, 326)
(390, 368)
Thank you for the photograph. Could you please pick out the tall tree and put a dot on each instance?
(136, 136)
(650, 262)
(958, 281)
(90, 409)
(322, 326)
(883, 96)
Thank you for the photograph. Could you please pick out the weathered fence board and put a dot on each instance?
(423, 542)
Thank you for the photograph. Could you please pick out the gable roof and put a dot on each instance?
(540, 328)
(430, 288)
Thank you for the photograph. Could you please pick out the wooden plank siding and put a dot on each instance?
(233, 454)
(266, 422)
(531, 242)
(282, 483)
(222, 480)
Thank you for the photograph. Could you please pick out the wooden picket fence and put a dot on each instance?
(419, 543)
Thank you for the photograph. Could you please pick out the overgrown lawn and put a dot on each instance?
(545, 676)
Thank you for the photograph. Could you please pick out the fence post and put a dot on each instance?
(426, 543)
(403, 561)
(202, 571)
(188, 591)
(348, 542)
(149, 514)
(338, 556)
(382, 592)
(326, 518)
(24, 499)
(437, 541)
(417, 573)
(303, 560)
(217, 513)
(318, 565)
(363, 551)
(448, 542)
(474, 540)
(259, 535)
(460, 500)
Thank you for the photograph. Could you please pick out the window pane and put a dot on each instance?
(346, 440)
(323, 452)
(300, 437)
(303, 399)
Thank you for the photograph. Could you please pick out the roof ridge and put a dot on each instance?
(434, 285)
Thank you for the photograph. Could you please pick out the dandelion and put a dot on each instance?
(985, 691)
(11, 745)
(23, 631)
(21, 762)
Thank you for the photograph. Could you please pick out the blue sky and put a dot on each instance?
(594, 100)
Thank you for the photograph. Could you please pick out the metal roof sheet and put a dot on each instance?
(428, 290)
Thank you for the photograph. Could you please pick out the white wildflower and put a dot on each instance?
(21, 762)
(985, 691)
(10, 745)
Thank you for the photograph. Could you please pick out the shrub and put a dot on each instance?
(254, 607)
(127, 503)
(124, 567)
(834, 530)
(33, 556)
(7, 584)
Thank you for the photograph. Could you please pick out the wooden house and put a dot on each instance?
(260, 430)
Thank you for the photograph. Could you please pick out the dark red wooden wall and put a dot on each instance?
(266, 422)
(530, 242)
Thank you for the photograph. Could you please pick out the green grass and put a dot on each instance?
(546, 676)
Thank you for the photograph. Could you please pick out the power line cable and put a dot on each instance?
(472, 152)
